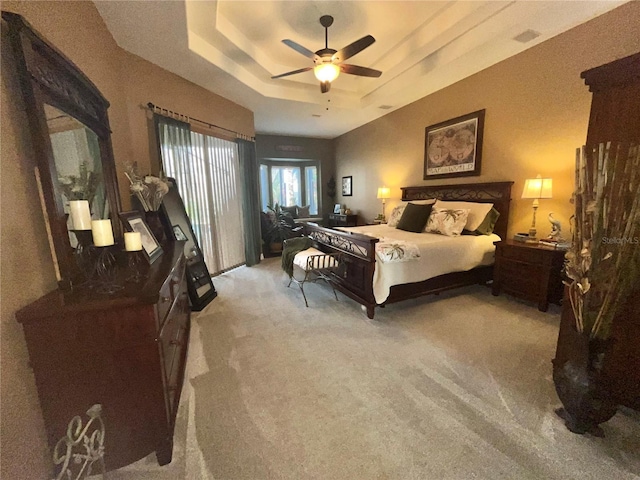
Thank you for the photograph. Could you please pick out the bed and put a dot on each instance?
(363, 280)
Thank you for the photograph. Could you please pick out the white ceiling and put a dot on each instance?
(233, 47)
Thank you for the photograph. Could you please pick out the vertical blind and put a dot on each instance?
(208, 178)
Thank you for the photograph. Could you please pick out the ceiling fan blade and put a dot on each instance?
(353, 48)
(300, 49)
(362, 71)
(300, 70)
(325, 86)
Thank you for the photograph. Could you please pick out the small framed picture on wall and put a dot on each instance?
(346, 186)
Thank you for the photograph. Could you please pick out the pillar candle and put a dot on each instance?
(80, 214)
(102, 233)
(132, 241)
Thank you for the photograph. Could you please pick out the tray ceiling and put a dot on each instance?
(232, 48)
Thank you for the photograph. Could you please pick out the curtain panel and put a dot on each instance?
(207, 172)
(250, 175)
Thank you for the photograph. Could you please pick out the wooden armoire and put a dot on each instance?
(615, 117)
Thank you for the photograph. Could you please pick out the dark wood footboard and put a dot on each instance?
(358, 254)
(358, 251)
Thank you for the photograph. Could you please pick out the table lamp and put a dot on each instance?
(383, 193)
(536, 188)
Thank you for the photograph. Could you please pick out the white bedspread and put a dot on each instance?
(439, 254)
(391, 250)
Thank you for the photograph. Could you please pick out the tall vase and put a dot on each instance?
(580, 382)
(155, 225)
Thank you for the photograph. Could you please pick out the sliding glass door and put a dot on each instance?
(208, 176)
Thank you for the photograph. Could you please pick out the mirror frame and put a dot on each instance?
(48, 77)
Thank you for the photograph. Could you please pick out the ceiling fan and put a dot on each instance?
(328, 62)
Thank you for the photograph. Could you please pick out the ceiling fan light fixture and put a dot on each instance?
(326, 72)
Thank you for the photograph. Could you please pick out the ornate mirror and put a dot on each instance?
(71, 138)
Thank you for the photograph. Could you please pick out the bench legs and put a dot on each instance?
(318, 275)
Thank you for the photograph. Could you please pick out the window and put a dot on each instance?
(289, 183)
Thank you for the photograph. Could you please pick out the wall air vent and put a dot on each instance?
(385, 107)
(526, 36)
(315, 115)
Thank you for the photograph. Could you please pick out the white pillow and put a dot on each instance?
(477, 211)
(447, 221)
(429, 201)
(396, 214)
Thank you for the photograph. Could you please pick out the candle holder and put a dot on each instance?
(106, 271)
(135, 263)
(83, 254)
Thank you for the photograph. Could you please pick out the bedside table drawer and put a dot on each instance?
(523, 254)
(520, 277)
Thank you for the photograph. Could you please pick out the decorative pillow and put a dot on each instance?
(293, 211)
(487, 225)
(396, 213)
(414, 217)
(447, 221)
(303, 212)
(477, 211)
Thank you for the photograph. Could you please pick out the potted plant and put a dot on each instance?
(603, 267)
(281, 228)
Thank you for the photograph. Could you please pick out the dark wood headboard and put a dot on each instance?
(498, 193)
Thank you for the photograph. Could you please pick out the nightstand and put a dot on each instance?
(529, 271)
(340, 220)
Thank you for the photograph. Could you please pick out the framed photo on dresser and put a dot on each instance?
(134, 222)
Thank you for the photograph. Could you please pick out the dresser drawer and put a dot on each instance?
(169, 291)
(173, 342)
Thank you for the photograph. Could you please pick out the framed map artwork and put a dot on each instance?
(454, 148)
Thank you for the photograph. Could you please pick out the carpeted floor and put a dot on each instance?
(455, 386)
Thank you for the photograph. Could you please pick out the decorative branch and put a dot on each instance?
(604, 260)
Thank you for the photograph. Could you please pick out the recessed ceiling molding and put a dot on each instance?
(420, 47)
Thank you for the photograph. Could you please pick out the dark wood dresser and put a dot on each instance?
(125, 351)
(529, 271)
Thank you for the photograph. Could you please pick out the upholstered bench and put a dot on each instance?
(315, 265)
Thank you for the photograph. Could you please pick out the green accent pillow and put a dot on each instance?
(414, 217)
(303, 212)
(487, 225)
(293, 211)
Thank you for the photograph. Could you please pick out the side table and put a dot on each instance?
(342, 220)
(529, 271)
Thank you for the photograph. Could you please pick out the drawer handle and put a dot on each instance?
(175, 342)
(165, 299)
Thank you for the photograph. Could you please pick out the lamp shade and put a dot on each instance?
(384, 192)
(537, 187)
(326, 72)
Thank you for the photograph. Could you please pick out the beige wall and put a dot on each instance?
(77, 30)
(146, 82)
(537, 110)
